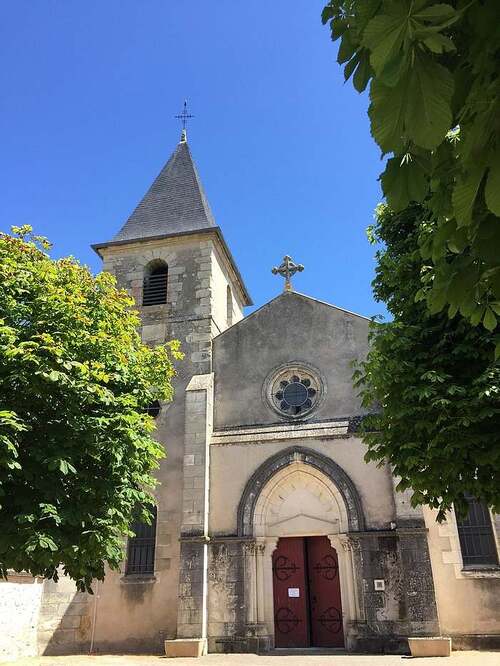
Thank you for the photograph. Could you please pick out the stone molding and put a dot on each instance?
(268, 469)
(281, 431)
(253, 547)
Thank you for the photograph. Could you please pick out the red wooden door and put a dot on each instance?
(324, 593)
(291, 626)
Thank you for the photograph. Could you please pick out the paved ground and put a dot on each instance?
(457, 659)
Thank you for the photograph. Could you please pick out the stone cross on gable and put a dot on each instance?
(287, 269)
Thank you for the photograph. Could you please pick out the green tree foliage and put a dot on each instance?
(431, 379)
(434, 77)
(76, 451)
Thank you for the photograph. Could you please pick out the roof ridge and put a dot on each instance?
(289, 294)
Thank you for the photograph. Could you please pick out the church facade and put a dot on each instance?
(270, 528)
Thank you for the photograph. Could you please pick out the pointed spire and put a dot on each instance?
(175, 202)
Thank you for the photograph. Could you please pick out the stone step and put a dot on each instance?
(306, 652)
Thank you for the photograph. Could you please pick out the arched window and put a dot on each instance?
(155, 284)
(475, 532)
(229, 306)
(141, 547)
(153, 409)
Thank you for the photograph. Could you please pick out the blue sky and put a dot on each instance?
(89, 91)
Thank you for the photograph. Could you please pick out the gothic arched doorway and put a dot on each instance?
(301, 499)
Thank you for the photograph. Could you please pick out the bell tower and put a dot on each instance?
(173, 259)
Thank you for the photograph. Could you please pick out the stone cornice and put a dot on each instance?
(281, 431)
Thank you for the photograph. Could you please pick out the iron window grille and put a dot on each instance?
(154, 290)
(141, 548)
(475, 532)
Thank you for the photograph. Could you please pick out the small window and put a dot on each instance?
(229, 306)
(141, 548)
(475, 532)
(155, 284)
(153, 409)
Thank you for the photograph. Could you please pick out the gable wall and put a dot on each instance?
(289, 328)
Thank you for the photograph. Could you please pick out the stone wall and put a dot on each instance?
(291, 328)
(65, 621)
(198, 275)
(406, 605)
(227, 610)
(20, 599)
(385, 542)
(148, 604)
(382, 618)
(192, 613)
(220, 280)
(468, 599)
(233, 463)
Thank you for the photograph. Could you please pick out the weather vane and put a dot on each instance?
(287, 269)
(184, 117)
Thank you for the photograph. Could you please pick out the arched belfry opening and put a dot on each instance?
(154, 291)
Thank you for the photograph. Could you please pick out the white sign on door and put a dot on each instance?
(293, 592)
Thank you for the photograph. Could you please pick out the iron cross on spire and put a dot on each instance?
(184, 117)
(287, 269)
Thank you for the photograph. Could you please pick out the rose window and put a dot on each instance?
(295, 394)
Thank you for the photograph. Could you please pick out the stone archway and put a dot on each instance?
(332, 472)
(297, 493)
(299, 500)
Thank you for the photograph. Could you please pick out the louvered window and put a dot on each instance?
(477, 541)
(141, 548)
(155, 286)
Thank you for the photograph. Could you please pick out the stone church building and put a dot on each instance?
(270, 529)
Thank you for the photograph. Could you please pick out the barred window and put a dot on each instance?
(141, 548)
(475, 532)
(154, 290)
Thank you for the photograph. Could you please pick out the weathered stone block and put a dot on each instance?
(430, 647)
(186, 647)
(70, 622)
(190, 616)
(164, 563)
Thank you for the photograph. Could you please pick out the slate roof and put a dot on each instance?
(175, 202)
(174, 205)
